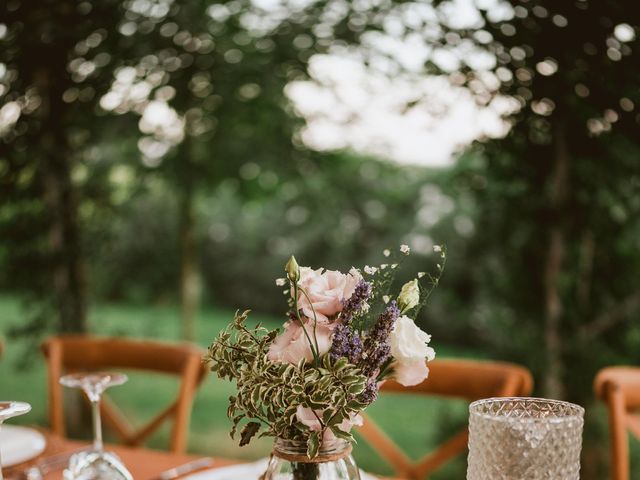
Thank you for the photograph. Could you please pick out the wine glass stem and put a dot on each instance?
(97, 426)
(1, 477)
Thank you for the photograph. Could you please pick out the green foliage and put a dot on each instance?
(269, 393)
(555, 213)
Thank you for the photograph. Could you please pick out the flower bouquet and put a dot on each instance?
(306, 385)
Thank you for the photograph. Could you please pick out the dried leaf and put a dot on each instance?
(247, 432)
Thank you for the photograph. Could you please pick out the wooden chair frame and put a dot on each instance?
(73, 353)
(463, 379)
(619, 388)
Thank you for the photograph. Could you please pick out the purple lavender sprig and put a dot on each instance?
(346, 343)
(377, 349)
(346, 340)
(370, 392)
(356, 301)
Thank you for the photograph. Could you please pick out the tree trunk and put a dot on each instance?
(553, 387)
(189, 272)
(68, 274)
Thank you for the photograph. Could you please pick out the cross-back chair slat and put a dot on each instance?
(619, 389)
(75, 353)
(462, 379)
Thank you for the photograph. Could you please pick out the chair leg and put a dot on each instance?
(618, 433)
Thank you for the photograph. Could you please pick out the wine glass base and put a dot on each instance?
(96, 466)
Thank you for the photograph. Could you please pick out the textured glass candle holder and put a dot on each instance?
(524, 438)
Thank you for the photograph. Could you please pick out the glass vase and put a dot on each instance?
(524, 438)
(289, 461)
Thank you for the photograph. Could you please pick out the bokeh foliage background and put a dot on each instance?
(150, 157)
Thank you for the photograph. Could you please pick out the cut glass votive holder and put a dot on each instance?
(524, 438)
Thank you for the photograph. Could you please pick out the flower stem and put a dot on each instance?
(315, 319)
(295, 306)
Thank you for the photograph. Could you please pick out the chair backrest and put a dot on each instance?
(462, 379)
(76, 353)
(619, 388)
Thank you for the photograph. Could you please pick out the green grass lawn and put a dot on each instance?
(417, 424)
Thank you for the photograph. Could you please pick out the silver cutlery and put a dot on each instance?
(188, 467)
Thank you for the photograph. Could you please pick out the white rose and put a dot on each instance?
(409, 342)
(411, 352)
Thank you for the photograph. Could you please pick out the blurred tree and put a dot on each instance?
(225, 67)
(206, 82)
(558, 197)
(558, 209)
(231, 96)
(225, 112)
(342, 211)
(56, 58)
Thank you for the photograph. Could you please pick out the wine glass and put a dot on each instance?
(9, 410)
(95, 464)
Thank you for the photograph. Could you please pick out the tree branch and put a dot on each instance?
(613, 316)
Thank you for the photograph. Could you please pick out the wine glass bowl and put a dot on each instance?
(13, 409)
(93, 384)
(96, 464)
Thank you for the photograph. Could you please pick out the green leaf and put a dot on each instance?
(351, 379)
(340, 364)
(356, 389)
(342, 434)
(313, 445)
(326, 416)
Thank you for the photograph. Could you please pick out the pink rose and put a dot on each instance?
(308, 418)
(292, 344)
(326, 289)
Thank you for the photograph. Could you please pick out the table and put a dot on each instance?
(143, 463)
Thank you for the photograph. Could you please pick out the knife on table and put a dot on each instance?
(188, 467)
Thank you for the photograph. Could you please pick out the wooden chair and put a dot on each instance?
(86, 353)
(462, 379)
(619, 388)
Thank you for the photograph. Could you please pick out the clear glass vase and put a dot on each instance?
(289, 461)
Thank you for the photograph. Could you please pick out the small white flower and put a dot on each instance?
(394, 265)
(281, 282)
(439, 267)
(383, 266)
(370, 270)
(386, 298)
(365, 307)
(405, 249)
(437, 248)
(386, 252)
(421, 274)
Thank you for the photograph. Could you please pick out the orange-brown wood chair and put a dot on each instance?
(619, 388)
(462, 379)
(86, 353)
